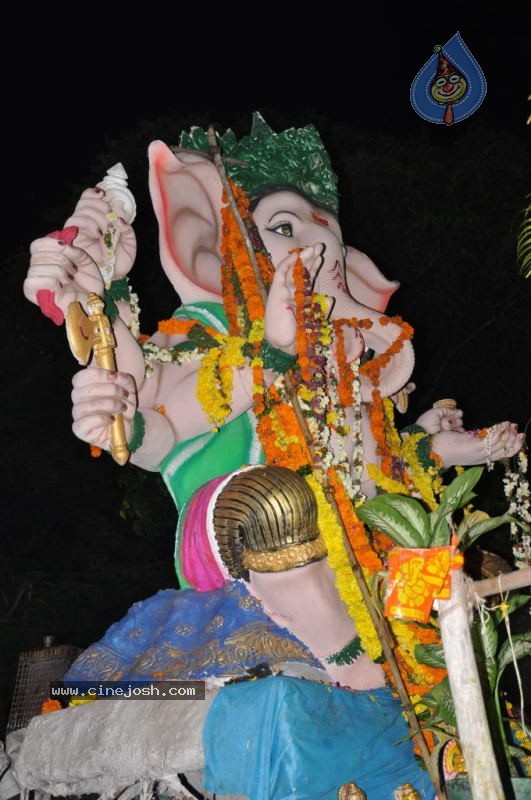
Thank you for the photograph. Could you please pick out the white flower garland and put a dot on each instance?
(153, 354)
(516, 488)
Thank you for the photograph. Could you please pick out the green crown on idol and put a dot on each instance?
(294, 157)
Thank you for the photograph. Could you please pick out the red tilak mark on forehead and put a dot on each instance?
(320, 220)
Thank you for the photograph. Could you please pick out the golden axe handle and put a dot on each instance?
(119, 451)
(104, 358)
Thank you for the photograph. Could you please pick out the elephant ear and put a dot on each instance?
(186, 192)
(365, 281)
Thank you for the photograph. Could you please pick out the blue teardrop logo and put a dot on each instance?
(450, 86)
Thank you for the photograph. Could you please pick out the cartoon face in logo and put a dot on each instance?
(448, 88)
(448, 84)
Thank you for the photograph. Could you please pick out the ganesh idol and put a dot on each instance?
(275, 310)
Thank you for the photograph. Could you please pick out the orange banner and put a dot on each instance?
(416, 577)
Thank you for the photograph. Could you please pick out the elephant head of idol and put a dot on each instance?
(292, 189)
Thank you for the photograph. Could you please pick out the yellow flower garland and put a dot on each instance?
(427, 483)
(384, 481)
(424, 480)
(215, 377)
(345, 582)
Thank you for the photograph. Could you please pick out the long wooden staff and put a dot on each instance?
(381, 624)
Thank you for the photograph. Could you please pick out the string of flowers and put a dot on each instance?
(242, 298)
(426, 481)
(401, 470)
(378, 429)
(349, 470)
(347, 587)
(219, 355)
(356, 532)
(313, 340)
(372, 369)
(280, 434)
(419, 678)
(516, 489)
(215, 378)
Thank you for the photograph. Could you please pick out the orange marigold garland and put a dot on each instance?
(372, 369)
(345, 374)
(357, 535)
(242, 297)
(378, 428)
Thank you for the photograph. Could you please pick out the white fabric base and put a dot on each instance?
(109, 745)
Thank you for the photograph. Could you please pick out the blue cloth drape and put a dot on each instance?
(282, 738)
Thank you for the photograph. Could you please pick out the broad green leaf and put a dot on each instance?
(379, 514)
(430, 654)
(440, 535)
(440, 698)
(512, 604)
(413, 512)
(488, 636)
(456, 495)
(477, 530)
(460, 488)
(471, 519)
(522, 647)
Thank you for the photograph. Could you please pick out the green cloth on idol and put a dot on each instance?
(194, 462)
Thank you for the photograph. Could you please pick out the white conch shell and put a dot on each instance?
(115, 186)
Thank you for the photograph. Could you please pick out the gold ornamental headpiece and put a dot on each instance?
(265, 519)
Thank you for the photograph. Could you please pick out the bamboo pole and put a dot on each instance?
(465, 685)
(380, 623)
(505, 582)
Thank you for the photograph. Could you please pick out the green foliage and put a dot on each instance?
(383, 512)
(430, 654)
(513, 603)
(454, 497)
(406, 522)
(440, 699)
(468, 533)
(518, 647)
(489, 644)
(523, 245)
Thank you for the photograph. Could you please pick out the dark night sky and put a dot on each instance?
(76, 81)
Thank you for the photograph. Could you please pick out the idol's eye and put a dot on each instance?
(440, 82)
(282, 229)
(453, 78)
